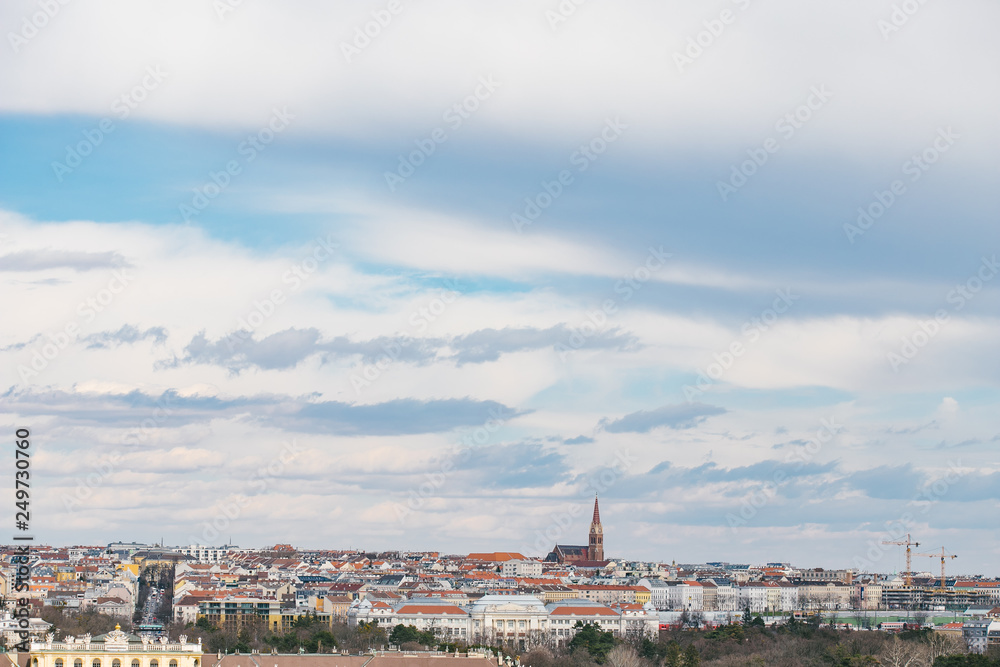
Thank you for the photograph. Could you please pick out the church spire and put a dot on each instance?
(595, 548)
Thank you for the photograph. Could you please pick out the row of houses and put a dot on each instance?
(783, 595)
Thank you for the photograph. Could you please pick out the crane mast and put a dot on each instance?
(907, 576)
(942, 556)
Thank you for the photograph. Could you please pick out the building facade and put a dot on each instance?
(114, 649)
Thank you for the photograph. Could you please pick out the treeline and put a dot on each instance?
(81, 622)
(750, 644)
(308, 634)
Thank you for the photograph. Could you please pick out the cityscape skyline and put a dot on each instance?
(436, 274)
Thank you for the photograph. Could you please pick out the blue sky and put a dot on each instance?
(596, 270)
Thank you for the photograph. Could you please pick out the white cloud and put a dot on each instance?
(235, 70)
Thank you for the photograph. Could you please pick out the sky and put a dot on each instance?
(430, 275)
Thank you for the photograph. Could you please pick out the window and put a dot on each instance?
(116, 663)
(154, 663)
(78, 662)
(59, 662)
(135, 662)
(173, 663)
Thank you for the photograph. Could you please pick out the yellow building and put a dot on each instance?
(114, 649)
(642, 594)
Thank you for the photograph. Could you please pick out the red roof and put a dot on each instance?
(582, 611)
(496, 557)
(431, 609)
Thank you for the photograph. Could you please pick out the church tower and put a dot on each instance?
(595, 550)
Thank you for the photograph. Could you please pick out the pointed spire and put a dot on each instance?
(597, 511)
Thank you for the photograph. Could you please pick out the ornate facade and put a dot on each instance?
(115, 649)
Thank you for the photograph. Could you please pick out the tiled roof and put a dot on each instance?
(431, 609)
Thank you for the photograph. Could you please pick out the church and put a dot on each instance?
(591, 555)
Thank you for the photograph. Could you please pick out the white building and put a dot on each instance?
(980, 634)
(674, 595)
(521, 568)
(204, 554)
(519, 620)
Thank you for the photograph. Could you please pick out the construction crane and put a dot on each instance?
(942, 556)
(907, 579)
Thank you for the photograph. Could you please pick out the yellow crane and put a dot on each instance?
(942, 556)
(907, 579)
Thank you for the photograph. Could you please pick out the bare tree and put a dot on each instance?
(940, 644)
(624, 655)
(898, 653)
(538, 657)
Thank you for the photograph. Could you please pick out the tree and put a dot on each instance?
(673, 657)
(538, 657)
(747, 618)
(901, 654)
(402, 634)
(940, 644)
(649, 649)
(624, 655)
(691, 657)
(597, 642)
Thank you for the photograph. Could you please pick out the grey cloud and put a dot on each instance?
(488, 344)
(398, 417)
(888, 482)
(286, 349)
(128, 334)
(686, 415)
(518, 465)
(296, 414)
(40, 260)
(240, 350)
